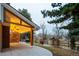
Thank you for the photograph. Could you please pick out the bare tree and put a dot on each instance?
(56, 30)
(44, 31)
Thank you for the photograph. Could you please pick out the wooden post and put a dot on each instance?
(31, 37)
(5, 37)
(0, 36)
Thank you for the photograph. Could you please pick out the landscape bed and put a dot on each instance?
(57, 51)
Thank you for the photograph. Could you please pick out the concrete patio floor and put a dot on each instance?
(25, 50)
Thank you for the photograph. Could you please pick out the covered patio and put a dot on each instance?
(13, 24)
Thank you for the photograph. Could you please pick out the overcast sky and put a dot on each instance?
(35, 10)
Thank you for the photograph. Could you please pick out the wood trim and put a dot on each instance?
(5, 24)
(18, 24)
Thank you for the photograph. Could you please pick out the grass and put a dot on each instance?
(57, 51)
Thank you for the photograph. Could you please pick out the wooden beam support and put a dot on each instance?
(20, 22)
(17, 24)
(31, 37)
(0, 36)
(5, 37)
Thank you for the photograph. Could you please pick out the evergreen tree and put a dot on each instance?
(66, 12)
(25, 13)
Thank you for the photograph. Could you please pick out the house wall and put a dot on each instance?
(14, 37)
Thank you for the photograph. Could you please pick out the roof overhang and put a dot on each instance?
(14, 11)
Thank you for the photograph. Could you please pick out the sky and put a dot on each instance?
(35, 10)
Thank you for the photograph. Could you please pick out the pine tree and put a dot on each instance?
(66, 12)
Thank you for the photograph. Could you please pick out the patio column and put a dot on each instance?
(31, 37)
(5, 37)
(0, 36)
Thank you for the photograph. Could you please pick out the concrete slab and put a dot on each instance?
(24, 50)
